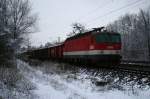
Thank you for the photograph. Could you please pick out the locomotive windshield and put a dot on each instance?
(108, 38)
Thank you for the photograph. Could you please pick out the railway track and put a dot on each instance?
(142, 67)
(126, 66)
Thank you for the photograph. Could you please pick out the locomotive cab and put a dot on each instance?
(106, 46)
(107, 38)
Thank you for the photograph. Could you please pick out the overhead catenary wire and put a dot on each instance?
(115, 10)
(92, 11)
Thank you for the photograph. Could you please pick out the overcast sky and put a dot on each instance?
(56, 16)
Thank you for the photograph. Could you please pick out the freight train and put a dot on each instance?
(94, 46)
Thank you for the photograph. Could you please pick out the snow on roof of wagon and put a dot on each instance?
(54, 45)
(45, 47)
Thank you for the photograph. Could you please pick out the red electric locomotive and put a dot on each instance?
(93, 47)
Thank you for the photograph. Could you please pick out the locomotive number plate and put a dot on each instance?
(91, 46)
(110, 47)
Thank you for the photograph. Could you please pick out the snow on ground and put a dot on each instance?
(14, 86)
(55, 85)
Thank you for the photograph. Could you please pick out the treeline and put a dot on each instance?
(135, 33)
(16, 21)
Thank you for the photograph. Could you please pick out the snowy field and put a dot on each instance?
(61, 81)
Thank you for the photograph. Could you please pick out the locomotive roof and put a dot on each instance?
(88, 33)
(78, 35)
(92, 32)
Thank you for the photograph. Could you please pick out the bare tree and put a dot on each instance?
(145, 21)
(135, 32)
(16, 21)
(77, 28)
(22, 20)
